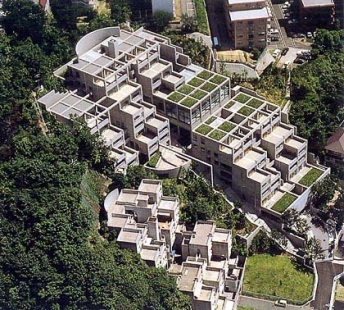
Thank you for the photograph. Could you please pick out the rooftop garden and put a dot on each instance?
(208, 87)
(198, 94)
(205, 75)
(201, 17)
(210, 120)
(242, 98)
(153, 161)
(276, 277)
(204, 129)
(230, 104)
(217, 134)
(195, 82)
(281, 205)
(246, 111)
(186, 89)
(175, 97)
(255, 103)
(188, 102)
(227, 126)
(217, 79)
(310, 177)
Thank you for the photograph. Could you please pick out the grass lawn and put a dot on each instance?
(154, 160)
(175, 97)
(281, 205)
(204, 129)
(188, 102)
(246, 111)
(205, 75)
(310, 177)
(278, 277)
(217, 134)
(210, 120)
(186, 89)
(227, 126)
(242, 98)
(245, 308)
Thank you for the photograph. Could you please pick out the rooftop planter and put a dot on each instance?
(246, 111)
(208, 87)
(154, 160)
(188, 102)
(281, 205)
(186, 89)
(210, 120)
(195, 82)
(230, 104)
(242, 98)
(255, 103)
(175, 97)
(227, 126)
(310, 177)
(218, 79)
(217, 134)
(204, 129)
(205, 75)
(198, 94)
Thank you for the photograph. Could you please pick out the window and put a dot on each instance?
(184, 116)
(194, 138)
(202, 149)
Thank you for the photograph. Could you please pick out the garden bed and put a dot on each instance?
(246, 111)
(186, 89)
(210, 120)
(242, 98)
(153, 161)
(227, 126)
(310, 177)
(198, 94)
(217, 134)
(208, 87)
(255, 103)
(188, 102)
(176, 97)
(201, 17)
(218, 79)
(204, 129)
(195, 82)
(281, 205)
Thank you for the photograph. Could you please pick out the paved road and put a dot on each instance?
(326, 272)
(259, 304)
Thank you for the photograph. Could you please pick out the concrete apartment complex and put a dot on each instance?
(256, 153)
(247, 23)
(131, 88)
(147, 222)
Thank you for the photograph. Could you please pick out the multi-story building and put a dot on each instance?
(247, 23)
(208, 273)
(334, 148)
(316, 13)
(256, 153)
(131, 87)
(145, 221)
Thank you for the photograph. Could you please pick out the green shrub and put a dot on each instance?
(154, 160)
(201, 17)
(281, 205)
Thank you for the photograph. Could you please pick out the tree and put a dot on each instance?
(313, 249)
(323, 192)
(189, 24)
(23, 19)
(328, 40)
(161, 19)
(120, 11)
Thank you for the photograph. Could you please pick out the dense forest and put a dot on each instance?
(52, 256)
(317, 90)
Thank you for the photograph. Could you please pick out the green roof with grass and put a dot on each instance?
(255, 103)
(198, 94)
(195, 82)
(153, 161)
(230, 104)
(217, 79)
(217, 134)
(246, 111)
(188, 102)
(310, 177)
(281, 205)
(203, 129)
(208, 87)
(277, 277)
(205, 75)
(242, 98)
(186, 89)
(210, 120)
(227, 126)
(176, 97)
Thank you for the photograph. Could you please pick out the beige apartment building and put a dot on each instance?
(247, 23)
(256, 153)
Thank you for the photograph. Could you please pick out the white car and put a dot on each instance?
(281, 303)
(309, 35)
(276, 53)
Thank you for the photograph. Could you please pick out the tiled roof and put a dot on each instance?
(336, 142)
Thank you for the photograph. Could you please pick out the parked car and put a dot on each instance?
(274, 38)
(281, 303)
(309, 35)
(276, 53)
(299, 61)
(285, 51)
(286, 64)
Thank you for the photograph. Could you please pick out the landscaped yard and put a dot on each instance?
(276, 276)
(310, 177)
(281, 205)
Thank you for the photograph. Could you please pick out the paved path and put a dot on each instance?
(260, 304)
(326, 272)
